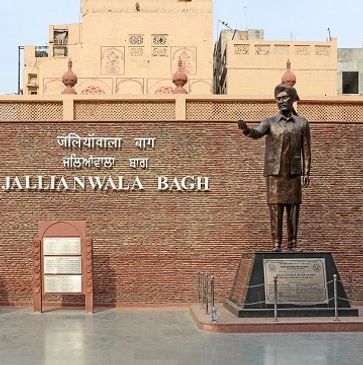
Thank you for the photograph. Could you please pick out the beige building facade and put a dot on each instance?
(126, 48)
(350, 71)
(245, 64)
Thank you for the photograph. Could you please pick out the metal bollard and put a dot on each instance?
(206, 294)
(199, 288)
(335, 298)
(212, 290)
(214, 317)
(202, 290)
(275, 298)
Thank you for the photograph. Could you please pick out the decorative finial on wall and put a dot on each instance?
(69, 79)
(288, 77)
(180, 78)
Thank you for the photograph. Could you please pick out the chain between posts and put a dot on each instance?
(276, 299)
(206, 295)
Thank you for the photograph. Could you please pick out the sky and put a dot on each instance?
(26, 22)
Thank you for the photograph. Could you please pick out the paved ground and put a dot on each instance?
(158, 336)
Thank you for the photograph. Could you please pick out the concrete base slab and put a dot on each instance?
(229, 323)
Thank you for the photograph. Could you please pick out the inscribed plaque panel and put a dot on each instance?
(299, 281)
(62, 283)
(62, 246)
(62, 265)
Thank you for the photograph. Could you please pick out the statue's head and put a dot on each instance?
(291, 91)
(285, 96)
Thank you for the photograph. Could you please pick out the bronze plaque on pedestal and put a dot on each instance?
(299, 281)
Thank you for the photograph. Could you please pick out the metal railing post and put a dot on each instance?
(335, 298)
(214, 309)
(275, 298)
(212, 290)
(202, 290)
(199, 296)
(206, 294)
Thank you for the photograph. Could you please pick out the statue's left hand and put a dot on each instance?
(243, 125)
(306, 181)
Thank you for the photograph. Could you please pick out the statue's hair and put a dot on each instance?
(291, 91)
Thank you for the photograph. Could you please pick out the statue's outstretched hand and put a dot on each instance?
(243, 125)
(306, 181)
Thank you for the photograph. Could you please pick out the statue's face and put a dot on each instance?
(284, 101)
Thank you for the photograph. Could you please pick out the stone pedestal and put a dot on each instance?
(305, 286)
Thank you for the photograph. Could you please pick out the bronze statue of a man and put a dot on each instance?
(287, 160)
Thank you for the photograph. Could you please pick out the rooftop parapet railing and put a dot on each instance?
(216, 108)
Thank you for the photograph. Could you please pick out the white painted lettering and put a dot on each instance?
(52, 182)
(62, 184)
(40, 184)
(7, 185)
(187, 183)
(28, 183)
(137, 185)
(109, 183)
(162, 183)
(121, 184)
(16, 184)
(78, 182)
(202, 183)
(95, 182)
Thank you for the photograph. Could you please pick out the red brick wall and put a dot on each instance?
(150, 245)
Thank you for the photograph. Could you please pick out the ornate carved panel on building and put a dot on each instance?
(92, 90)
(124, 110)
(322, 50)
(113, 60)
(52, 86)
(281, 49)
(262, 50)
(136, 51)
(160, 86)
(188, 56)
(302, 50)
(200, 86)
(241, 49)
(160, 51)
(93, 86)
(159, 45)
(228, 109)
(159, 39)
(130, 86)
(31, 110)
(136, 39)
(164, 90)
